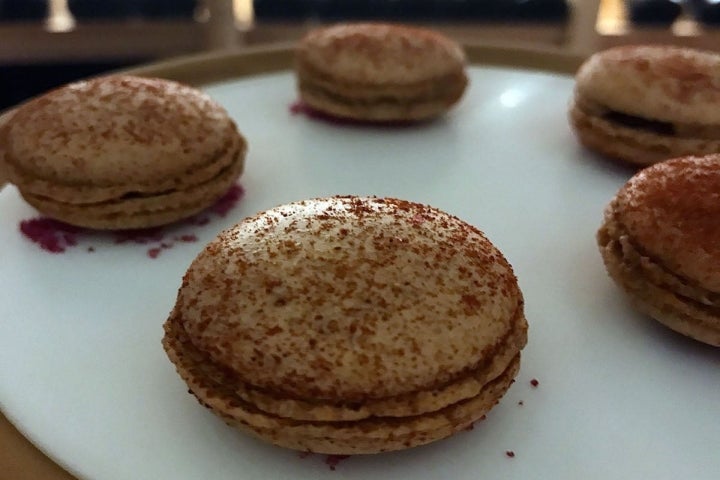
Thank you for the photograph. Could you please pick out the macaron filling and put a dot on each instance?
(640, 123)
(633, 121)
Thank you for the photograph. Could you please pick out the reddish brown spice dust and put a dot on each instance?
(418, 219)
(510, 453)
(56, 237)
(332, 461)
(534, 383)
(304, 454)
(521, 403)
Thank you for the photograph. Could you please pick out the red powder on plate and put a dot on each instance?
(228, 201)
(141, 236)
(51, 235)
(56, 237)
(332, 461)
(304, 454)
(521, 403)
(534, 383)
(510, 453)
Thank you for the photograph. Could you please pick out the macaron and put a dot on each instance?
(348, 325)
(122, 152)
(379, 72)
(644, 104)
(659, 242)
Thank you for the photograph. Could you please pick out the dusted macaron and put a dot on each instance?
(644, 104)
(660, 241)
(120, 152)
(348, 325)
(379, 72)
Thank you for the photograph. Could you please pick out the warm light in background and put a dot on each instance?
(59, 18)
(243, 10)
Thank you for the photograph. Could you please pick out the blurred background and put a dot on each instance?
(46, 43)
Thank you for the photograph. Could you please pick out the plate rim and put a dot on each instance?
(209, 67)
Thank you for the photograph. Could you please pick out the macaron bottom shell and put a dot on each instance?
(672, 307)
(141, 211)
(212, 386)
(381, 106)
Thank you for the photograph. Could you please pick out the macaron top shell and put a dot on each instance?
(376, 53)
(672, 211)
(117, 130)
(664, 83)
(349, 299)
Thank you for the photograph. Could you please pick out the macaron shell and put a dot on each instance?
(412, 404)
(370, 435)
(665, 83)
(659, 243)
(681, 314)
(633, 145)
(4, 175)
(122, 152)
(107, 130)
(380, 72)
(141, 212)
(382, 110)
(377, 54)
(421, 297)
(63, 192)
(416, 403)
(376, 435)
(671, 211)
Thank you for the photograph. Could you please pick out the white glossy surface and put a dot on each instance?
(83, 375)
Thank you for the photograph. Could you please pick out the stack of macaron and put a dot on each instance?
(644, 104)
(349, 325)
(657, 107)
(660, 241)
(375, 72)
(122, 152)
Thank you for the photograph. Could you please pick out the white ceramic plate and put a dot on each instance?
(83, 374)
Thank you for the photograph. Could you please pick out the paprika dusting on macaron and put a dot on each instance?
(343, 325)
(659, 242)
